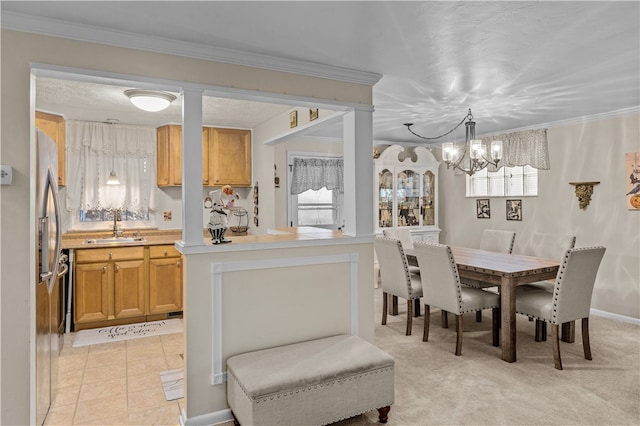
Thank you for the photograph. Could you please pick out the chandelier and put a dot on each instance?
(472, 156)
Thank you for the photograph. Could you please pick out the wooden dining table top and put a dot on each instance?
(501, 263)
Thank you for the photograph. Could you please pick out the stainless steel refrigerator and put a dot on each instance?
(51, 266)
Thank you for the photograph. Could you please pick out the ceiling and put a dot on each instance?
(515, 64)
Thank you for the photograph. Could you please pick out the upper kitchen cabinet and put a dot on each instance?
(230, 157)
(226, 156)
(54, 126)
(407, 191)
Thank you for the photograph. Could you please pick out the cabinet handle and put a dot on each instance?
(117, 268)
(104, 269)
(110, 255)
(178, 263)
(165, 253)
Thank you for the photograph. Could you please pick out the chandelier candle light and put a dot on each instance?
(472, 156)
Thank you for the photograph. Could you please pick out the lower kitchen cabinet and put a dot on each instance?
(165, 280)
(123, 285)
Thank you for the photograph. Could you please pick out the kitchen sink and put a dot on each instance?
(115, 240)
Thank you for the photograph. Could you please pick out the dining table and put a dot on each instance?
(506, 271)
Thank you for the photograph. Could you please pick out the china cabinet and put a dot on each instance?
(406, 191)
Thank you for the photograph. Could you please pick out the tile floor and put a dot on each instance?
(117, 383)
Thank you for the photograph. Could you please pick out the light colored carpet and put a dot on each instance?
(173, 383)
(434, 387)
(129, 331)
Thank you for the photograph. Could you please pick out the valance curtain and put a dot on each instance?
(316, 173)
(527, 147)
(93, 149)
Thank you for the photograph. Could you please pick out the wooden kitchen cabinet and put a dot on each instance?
(109, 286)
(226, 156)
(54, 126)
(165, 280)
(230, 157)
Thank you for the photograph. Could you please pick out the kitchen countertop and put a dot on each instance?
(77, 240)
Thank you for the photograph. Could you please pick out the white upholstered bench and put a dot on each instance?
(310, 383)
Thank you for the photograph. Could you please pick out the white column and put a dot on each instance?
(192, 225)
(358, 172)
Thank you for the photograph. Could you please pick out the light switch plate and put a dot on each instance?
(6, 174)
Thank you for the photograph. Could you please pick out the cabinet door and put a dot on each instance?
(128, 288)
(408, 198)
(165, 285)
(230, 156)
(91, 292)
(169, 155)
(54, 127)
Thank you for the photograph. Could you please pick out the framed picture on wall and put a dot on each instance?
(514, 209)
(483, 210)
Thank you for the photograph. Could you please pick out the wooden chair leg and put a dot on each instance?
(393, 308)
(543, 331)
(585, 338)
(385, 300)
(416, 308)
(555, 336)
(458, 335)
(478, 316)
(383, 414)
(569, 332)
(425, 333)
(495, 326)
(409, 317)
(445, 319)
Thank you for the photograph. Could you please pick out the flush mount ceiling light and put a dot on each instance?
(472, 155)
(150, 100)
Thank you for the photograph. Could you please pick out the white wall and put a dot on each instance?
(591, 151)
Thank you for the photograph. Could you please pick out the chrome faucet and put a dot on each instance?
(116, 213)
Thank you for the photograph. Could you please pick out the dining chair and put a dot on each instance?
(404, 235)
(442, 289)
(491, 240)
(570, 299)
(549, 246)
(396, 278)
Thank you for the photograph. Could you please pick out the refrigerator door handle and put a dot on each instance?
(45, 273)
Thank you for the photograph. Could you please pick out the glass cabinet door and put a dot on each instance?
(428, 199)
(408, 197)
(385, 199)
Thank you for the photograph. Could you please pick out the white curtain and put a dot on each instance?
(527, 147)
(94, 149)
(316, 173)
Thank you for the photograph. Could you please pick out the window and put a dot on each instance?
(93, 151)
(506, 182)
(315, 208)
(315, 190)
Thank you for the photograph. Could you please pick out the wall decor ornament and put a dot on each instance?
(584, 191)
(632, 188)
(514, 209)
(483, 210)
(293, 119)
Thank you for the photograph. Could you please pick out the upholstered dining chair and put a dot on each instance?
(396, 278)
(404, 235)
(441, 288)
(492, 240)
(549, 246)
(571, 297)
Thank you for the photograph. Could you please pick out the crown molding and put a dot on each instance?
(58, 28)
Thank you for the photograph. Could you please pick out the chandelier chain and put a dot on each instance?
(469, 117)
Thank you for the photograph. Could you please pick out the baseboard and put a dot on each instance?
(618, 317)
(208, 419)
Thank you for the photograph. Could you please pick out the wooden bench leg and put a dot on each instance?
(383, 413)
